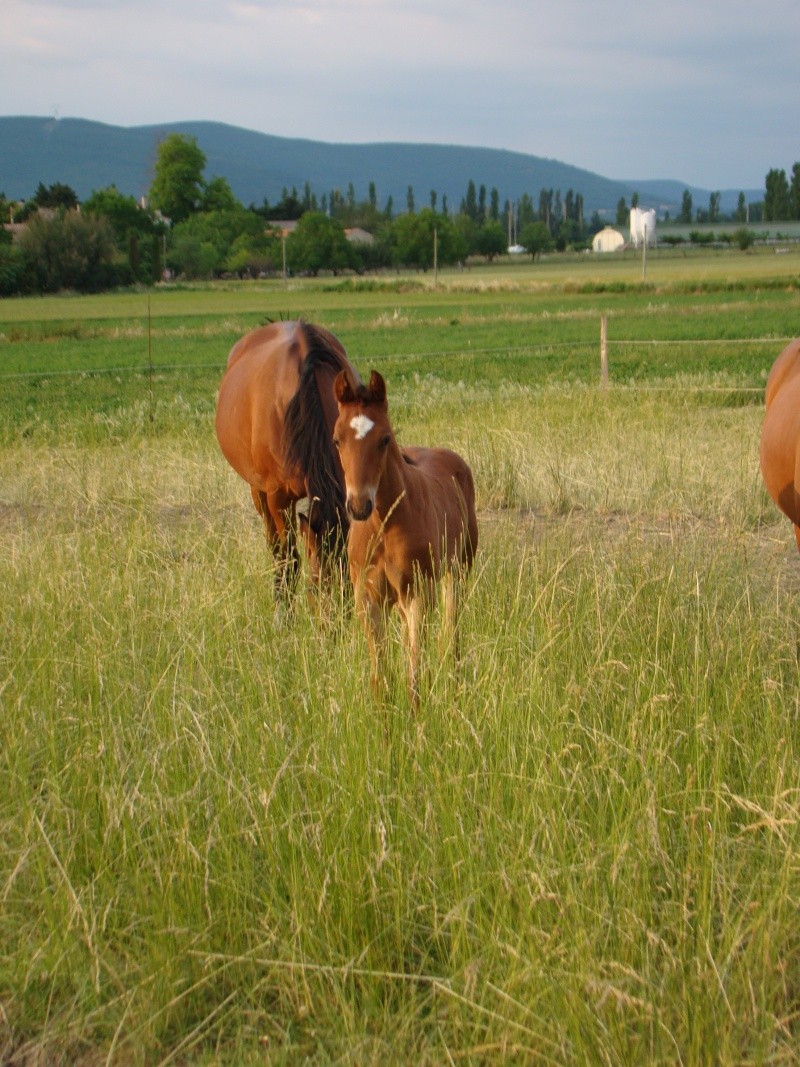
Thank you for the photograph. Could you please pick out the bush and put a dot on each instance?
(744, 238)
(15, 276)
(69, 251)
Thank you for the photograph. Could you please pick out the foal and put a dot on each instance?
(412, 519)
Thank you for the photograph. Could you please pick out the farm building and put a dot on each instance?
(643, 227)
(357, 236)
(607, 240)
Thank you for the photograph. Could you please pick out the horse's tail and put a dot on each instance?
(307, 437)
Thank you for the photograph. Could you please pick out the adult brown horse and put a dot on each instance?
(412, 519)
(780, 434)
(275, 414)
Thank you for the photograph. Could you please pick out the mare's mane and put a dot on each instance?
(307, 437)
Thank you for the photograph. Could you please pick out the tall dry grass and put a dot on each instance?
(216, 847)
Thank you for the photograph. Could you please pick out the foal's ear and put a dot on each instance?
(342, 389)
(377, 388)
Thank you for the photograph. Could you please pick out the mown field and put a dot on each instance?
(217, 848)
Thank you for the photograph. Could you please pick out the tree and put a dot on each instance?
(526, 212)
(622, 212)
(136, 233)
(469, 205)
(794, 192)
(494, 205)
(740, 215)
(776, 196)
(202, 244)
(578, 216)
(713, 207)
(536, 238)
(546, 206)
(69, 251)
(319, 243)
(254, 254)
(178, 187)
(16, 273)
(490, 240)
(685, 215)
(218, 196)
(55, 196)
(465, 232)
(413, 240)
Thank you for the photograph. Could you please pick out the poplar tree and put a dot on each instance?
(178, 187)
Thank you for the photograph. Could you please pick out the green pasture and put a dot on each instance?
(217, 848)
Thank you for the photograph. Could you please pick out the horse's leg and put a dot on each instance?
(450, 630)
(262, 507)
(281, 511)
(280, 537)
(372, 613)
(414, 610)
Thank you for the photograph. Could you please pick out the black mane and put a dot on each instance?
(308, 439)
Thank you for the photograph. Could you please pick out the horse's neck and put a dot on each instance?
(395, 483)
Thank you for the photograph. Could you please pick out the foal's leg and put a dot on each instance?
(372, 612)
(450, 629)
(414, 610)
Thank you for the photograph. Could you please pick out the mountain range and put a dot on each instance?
(90, 155)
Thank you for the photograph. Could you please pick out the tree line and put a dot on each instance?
(195, 227)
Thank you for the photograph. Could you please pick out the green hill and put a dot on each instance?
(91, 155)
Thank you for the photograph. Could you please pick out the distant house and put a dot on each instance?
(355, 235)
(608, 240)
(16, 229)
(358, 236)
(283, 226)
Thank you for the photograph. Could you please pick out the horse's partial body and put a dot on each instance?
(780, 434)
(275, 414)
(412, 519)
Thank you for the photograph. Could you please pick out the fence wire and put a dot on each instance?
(535, 351)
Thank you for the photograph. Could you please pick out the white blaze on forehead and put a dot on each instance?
(362, 425)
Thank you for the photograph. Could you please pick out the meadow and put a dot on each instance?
(218, 848)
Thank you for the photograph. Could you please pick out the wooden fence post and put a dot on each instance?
(604, 351)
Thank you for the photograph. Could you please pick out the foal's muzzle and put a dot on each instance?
(359, 508)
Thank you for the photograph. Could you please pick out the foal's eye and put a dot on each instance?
(384, 442)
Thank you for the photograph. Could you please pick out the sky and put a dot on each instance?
(706, 92)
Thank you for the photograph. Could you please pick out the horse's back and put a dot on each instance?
(451, 489)
(780, 433)
(785, 370)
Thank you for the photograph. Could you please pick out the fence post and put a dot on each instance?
(604, 351)
(150, 359)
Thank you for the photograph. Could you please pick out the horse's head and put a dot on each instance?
(362, 435)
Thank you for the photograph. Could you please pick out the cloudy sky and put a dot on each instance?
(706, 92)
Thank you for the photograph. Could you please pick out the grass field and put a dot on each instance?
(216, 848)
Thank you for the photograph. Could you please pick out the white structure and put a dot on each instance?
(643, 227)
(608, 240)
